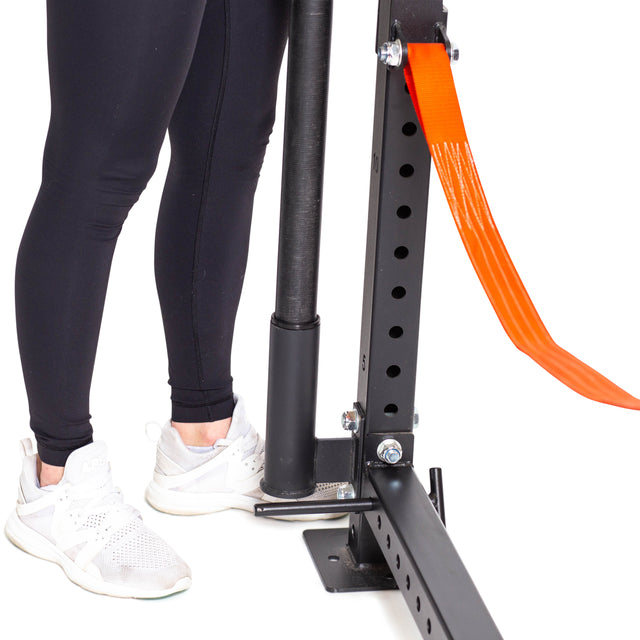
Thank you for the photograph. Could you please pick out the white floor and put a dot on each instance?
(541, 485)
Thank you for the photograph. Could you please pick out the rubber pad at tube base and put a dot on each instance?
(430, 83)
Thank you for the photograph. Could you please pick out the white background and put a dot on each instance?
(541, 485)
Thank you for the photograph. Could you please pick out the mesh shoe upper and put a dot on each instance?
(228, 476)
(85, 517)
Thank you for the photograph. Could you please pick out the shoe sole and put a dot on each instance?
(182, 503)
(37, 545)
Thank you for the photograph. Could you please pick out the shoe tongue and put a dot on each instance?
(88, 464)
(240, 426)
(237, 430)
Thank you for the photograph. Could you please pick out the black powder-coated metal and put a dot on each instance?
(400, 542)
(400, 171)
(291, 412)
(312, 507)
(396, 234)
(337, 568)
(303, 161)
(334, 459)
(418, 19)
(435, 584)
(295, 325)
(436, 495)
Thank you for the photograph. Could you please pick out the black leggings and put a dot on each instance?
(121, 72)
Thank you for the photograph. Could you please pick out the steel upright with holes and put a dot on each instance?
(396, 536)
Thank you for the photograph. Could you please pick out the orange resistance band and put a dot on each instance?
(432, 89)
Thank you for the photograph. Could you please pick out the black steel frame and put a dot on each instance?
(396, 536)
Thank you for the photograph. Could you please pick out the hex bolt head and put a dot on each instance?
(346, 492)
(390, 451)
(390, 53)
(350, 421)
(455, 53)
(416, 418)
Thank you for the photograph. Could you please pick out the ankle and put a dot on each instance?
(202, 434)
(48, 474)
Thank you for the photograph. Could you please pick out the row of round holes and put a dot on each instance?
(401, 252)
(403, 212)
(407, 579)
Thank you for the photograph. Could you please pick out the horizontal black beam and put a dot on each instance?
(426, 566)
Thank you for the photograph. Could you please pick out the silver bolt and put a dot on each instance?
(351, 421)
(390, 53)
(416, 418)
(455, 53)
(346, 492)
(390, 451)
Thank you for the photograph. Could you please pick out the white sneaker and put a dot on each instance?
(83, 525)
(228, 476)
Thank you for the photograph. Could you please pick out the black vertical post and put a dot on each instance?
(295, 325)
(399, 190)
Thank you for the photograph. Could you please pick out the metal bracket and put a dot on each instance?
(441, 36)
(338, 569)
(394, 53)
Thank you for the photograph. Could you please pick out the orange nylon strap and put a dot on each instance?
(430, 82)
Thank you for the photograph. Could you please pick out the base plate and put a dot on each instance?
(335, 564)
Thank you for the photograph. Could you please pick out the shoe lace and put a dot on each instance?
(102, 505)
(252, 444)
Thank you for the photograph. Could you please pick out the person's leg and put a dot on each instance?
(116, 71)
(219, 133)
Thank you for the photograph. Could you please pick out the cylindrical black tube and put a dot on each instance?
(295, 325)
(313, 507)
(303, 160)
(289, 470)
(437, 492)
